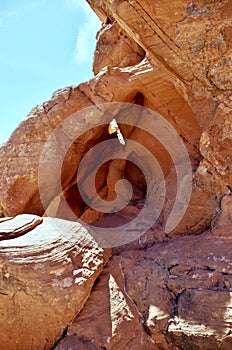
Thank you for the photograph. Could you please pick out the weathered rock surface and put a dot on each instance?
(111, 315)
(46, 276)
(20, 156)
(138, 82)
(18, 226)
(173, 80)
(223, 220)
(114, 48)
(174, 295)
(191, 45)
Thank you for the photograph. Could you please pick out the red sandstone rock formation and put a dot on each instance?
(159, 291)
(46, 277)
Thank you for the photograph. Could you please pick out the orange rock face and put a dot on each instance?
(163, 72)
(179, 291)
(46, 277)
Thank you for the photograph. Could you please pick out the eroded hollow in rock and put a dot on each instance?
(111, 171)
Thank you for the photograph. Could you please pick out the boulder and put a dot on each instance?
(47, 269)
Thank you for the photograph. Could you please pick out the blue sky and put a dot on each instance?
(44, 45)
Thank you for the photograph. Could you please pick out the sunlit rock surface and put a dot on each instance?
(47, 272)
(165, 290)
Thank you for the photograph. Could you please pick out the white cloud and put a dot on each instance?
(90, 24)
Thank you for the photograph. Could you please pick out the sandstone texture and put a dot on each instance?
(166, 289)
(47, 272)
(170, 296)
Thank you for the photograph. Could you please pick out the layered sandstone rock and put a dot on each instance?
(173, 80)
(190, 43)
(138, 82)
(174, 292)
(174, 295)
(115, 48)
(47, 272)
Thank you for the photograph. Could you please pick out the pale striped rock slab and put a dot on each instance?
(46, 276)
(5, 219)
(21, 224)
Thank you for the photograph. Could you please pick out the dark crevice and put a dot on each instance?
(2, 293)
(145, 327)
(175, 303)
(108, 21)
(64, 334)
(170, 267)
(138, 99)
(209, 269)
(140, 314)
(226, 274)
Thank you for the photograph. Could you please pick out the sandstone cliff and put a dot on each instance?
(163, 70)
